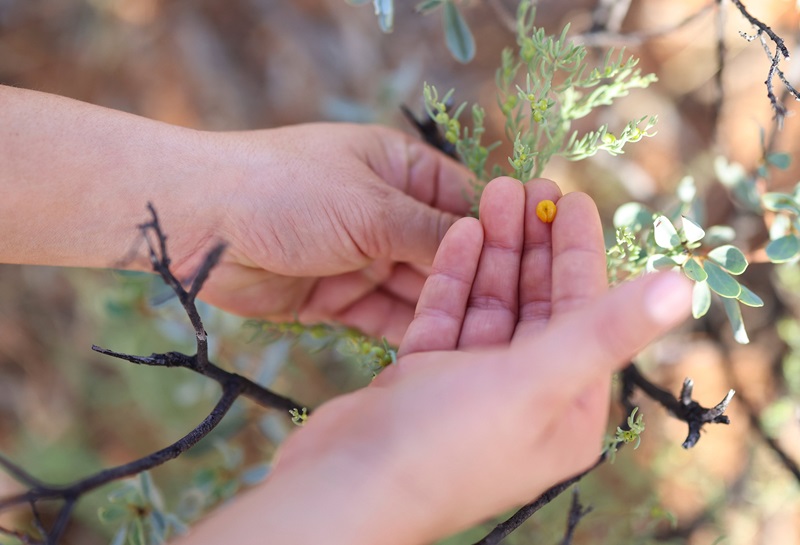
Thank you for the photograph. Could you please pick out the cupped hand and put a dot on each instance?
(333, 222)
(500, 391)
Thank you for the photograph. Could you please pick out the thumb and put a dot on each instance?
(415, 230)
(603, 336)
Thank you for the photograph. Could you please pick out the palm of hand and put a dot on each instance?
(456, 426)
(345, 236)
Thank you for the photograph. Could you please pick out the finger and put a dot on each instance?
(535, 280)
(380, 315)
(601, 337)
(443, 302)
(334, 294)
(494, 302)
(420, 171)
(579, 257)
(405, 283)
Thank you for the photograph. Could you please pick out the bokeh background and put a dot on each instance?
(254, 64)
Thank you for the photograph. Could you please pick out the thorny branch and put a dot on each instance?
(233, 386)
(682, 407)
(781, 53)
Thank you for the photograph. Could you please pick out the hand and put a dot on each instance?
(454, 433)
(333, 222)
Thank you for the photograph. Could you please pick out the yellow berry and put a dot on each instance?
(546, 211)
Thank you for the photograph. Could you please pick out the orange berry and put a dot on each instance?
(546, 211)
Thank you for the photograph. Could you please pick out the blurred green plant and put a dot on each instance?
(544, 86)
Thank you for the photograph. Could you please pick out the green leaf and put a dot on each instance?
(136, 533)
(634, 216)
(694, 271)
(384, 9)
(783, 249)
(780, 201)
(779, 160)
(128, 492)
(729, 258)
(691, 230)
(457, 33)
(719, 234)
(428, 5)
(687, 190)
(110, 514)
(735, 318)
(734, 176)
(177, 525)
(721, 282)
(119, 537)
(747, 297)
(158, 528)
(659, 262)
(701, 299)
(665, 233)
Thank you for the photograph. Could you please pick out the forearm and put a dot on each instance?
(75, 180)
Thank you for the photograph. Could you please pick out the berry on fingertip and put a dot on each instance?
(546, 211)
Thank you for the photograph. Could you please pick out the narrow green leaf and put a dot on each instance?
(747, 297)
(691, 230)
(177, 525)
(457, 33)
(701, 299)
(735, 318)
(110, 514)
(119, 537)
(428, 5)
(136, 533)
(721, 282)
(384, 9)
(783, 249)
(665, 233)
(126, 493)
(694, 271)
(780, 201)
(779, 160)
(729, 258)
(158, 528)
(634, 216)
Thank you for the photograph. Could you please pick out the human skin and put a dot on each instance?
(500, 391)
(322, 221)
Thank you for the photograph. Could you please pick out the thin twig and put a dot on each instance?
(576, 513)
(233, 386)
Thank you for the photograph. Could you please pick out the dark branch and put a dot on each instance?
(576, 513)
(683, 408)
(430, 133)
(233, 386)
(781, 53)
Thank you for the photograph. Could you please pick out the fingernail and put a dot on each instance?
(668, 298)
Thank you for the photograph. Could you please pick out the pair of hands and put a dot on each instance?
(501, 388)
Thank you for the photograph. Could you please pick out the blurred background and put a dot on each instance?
(66, 412)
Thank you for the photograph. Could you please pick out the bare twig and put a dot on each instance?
(233, 386)
(576, 513)
(683, 408)
(781, 53)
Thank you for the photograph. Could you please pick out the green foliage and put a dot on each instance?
(371, 354)
(622, 436)
(647, 242)
(136, 506)
(299, 416)
(559, 89)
